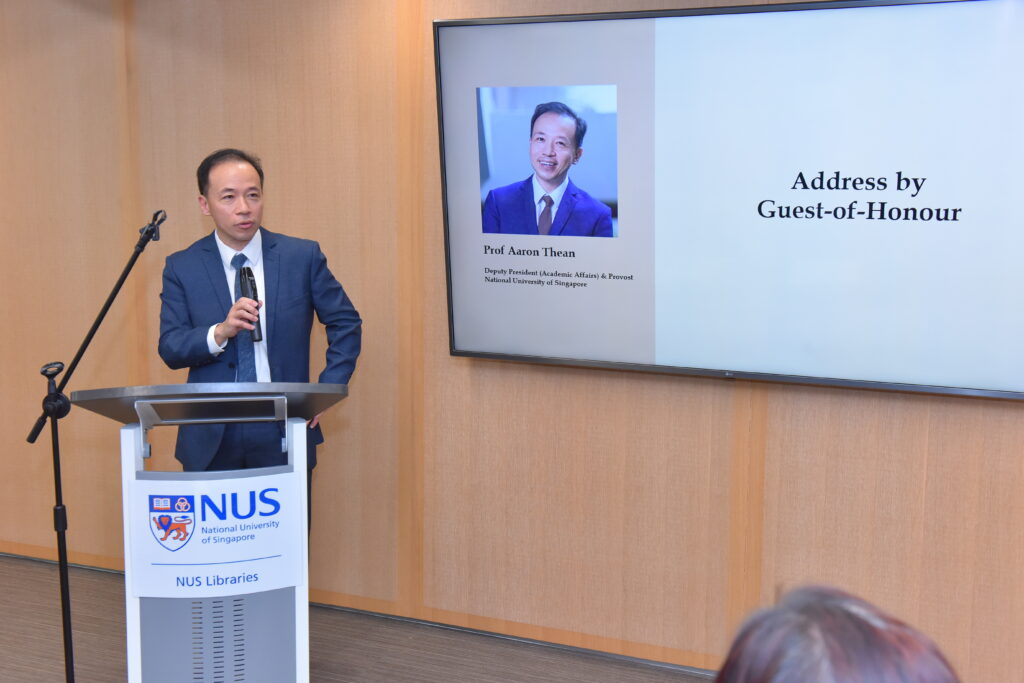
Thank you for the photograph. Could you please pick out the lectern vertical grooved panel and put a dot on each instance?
(223, 639)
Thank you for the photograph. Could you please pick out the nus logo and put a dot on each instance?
(171, 519)
(239, 505)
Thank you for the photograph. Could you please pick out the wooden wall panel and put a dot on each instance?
(580, 503)
(639, 514)
(64, 205)
(911, 500)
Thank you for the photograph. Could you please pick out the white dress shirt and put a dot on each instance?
(254, 253)
(556, 197)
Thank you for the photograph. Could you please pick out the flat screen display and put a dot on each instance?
(827, 193)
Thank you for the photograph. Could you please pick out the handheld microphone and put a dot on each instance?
(248, 282)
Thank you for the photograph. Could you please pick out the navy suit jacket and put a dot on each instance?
(298, 283)
(511, 210)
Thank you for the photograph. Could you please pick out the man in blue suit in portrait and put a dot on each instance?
(547, 203)
(206, 325)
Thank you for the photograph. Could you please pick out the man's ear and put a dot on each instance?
(579, 153)
(204, 205)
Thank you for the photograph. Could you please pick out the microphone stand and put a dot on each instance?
(55, 406)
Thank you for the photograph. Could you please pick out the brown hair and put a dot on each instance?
(823, 635)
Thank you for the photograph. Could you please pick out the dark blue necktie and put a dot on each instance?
(246, 371)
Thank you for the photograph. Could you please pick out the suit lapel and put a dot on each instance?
(215, 271)
(527, 205)
(564, 210)
(271, 278)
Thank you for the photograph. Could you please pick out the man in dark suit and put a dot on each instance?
(205, 325)
(547, 203)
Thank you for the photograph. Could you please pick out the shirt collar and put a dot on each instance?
(253, 250)
(556, 194)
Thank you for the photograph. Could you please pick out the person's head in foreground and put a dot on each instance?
(823, 635)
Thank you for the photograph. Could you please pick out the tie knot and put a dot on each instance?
(238, 261)
(548, 201)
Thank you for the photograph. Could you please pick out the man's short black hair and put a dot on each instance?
(563, 110)
(222, 155)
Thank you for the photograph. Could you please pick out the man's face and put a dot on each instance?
(553, 149)
(234, 199)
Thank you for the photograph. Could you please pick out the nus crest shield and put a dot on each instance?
(172, 520)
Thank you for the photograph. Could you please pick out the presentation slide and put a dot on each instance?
(824, 193)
